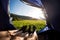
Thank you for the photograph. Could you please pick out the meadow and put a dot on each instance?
(40, 24)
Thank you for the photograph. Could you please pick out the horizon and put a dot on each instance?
(19, 8)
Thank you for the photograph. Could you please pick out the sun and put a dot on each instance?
(36, 13)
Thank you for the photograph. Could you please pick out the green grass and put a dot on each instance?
(38, 23)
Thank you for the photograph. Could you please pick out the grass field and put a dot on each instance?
(38, 23)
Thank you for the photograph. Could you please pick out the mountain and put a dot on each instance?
(20, 17)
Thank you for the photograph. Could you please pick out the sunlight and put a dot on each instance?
(36, 13)
(19, 8)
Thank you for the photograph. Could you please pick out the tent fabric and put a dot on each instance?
(4, 17)
(35, 3)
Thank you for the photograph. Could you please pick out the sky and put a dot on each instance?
(19, 8)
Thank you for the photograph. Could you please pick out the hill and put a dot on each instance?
(20, 17)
